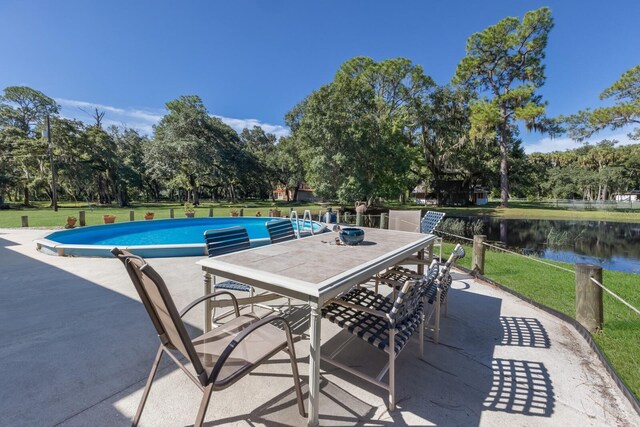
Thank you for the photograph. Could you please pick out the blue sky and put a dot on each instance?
(252, 61)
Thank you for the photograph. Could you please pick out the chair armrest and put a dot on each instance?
(357, 307)
(209, 296)
(244, 334)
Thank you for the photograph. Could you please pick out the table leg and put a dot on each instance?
(207, 304)
(314, 366)
(430, 251)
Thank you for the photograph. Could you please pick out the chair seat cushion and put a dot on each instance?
(232, 285)
(370, 328)
(259, 345)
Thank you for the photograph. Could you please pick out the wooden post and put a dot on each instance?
(82, 218)
(210, 212)
(589, 311)
(241, 211)
(25, 221)
(338, 216)
(359, 219)
(171, 213)
(477, 263)
(290, 210)
(132, 216)
(383, 221)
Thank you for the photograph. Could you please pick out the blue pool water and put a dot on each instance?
(156, 237)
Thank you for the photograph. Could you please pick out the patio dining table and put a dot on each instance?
(314, 269)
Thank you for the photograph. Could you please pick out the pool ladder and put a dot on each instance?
(307, 212)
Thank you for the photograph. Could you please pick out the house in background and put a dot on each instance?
(304, 193)
(631, 196)
(480, 196)
(450, 192)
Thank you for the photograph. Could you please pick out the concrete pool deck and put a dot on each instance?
(77, 346)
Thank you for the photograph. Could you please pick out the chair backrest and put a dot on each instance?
(226, 240)
(404, 220)
(430, 221)
(444, 279)
(408, 306)
(280, 230)
(160, 307)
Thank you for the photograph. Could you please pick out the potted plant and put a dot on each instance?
(274, 211)
(234, 212)
(148, 215)
(189, 210)
(109, 219)
(71, 222)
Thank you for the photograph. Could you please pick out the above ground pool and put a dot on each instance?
(156, 238)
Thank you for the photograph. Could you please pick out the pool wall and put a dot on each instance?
(76, 242)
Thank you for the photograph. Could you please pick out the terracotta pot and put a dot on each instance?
(148, 216)
(234, 214)
(189, 214)
(274, 213)
(109, 219)
(71, 222)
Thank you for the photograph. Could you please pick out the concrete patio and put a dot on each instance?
(77, 346)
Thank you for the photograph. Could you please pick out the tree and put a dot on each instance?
(23, 109)
(288, 166)
(440, 126)
(505, 60)
(259, 169)
(191, 146)
(626, 92)
(352, 132)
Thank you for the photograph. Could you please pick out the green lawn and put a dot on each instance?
(41, 216)
(620, 338)
(536, 210)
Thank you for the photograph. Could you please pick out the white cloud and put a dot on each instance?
(547, 145)
(239, 124)
(144, 119)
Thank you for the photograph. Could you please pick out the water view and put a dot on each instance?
(612, 245)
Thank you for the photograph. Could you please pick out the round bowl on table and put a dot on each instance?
(351, 235)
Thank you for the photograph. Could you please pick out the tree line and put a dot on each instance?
(377, 130)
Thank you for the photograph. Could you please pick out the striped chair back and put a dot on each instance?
(444, 279)
(408, 306)
(226, 240)
(430, 221)
(280, 230)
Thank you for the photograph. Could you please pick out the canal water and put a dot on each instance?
(612, 245)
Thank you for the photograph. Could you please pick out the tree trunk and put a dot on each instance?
(295, 193)
(504, 171)
(26, 196)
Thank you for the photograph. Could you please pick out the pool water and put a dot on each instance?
(161, 235)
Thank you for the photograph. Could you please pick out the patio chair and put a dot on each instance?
(218, 358)
(436, 293)
(385, 322)
(404, 220)
(280, 230)
(222, 241)
(428, 224)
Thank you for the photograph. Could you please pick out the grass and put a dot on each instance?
(536, 210)
(620, 337)
(42, 216)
